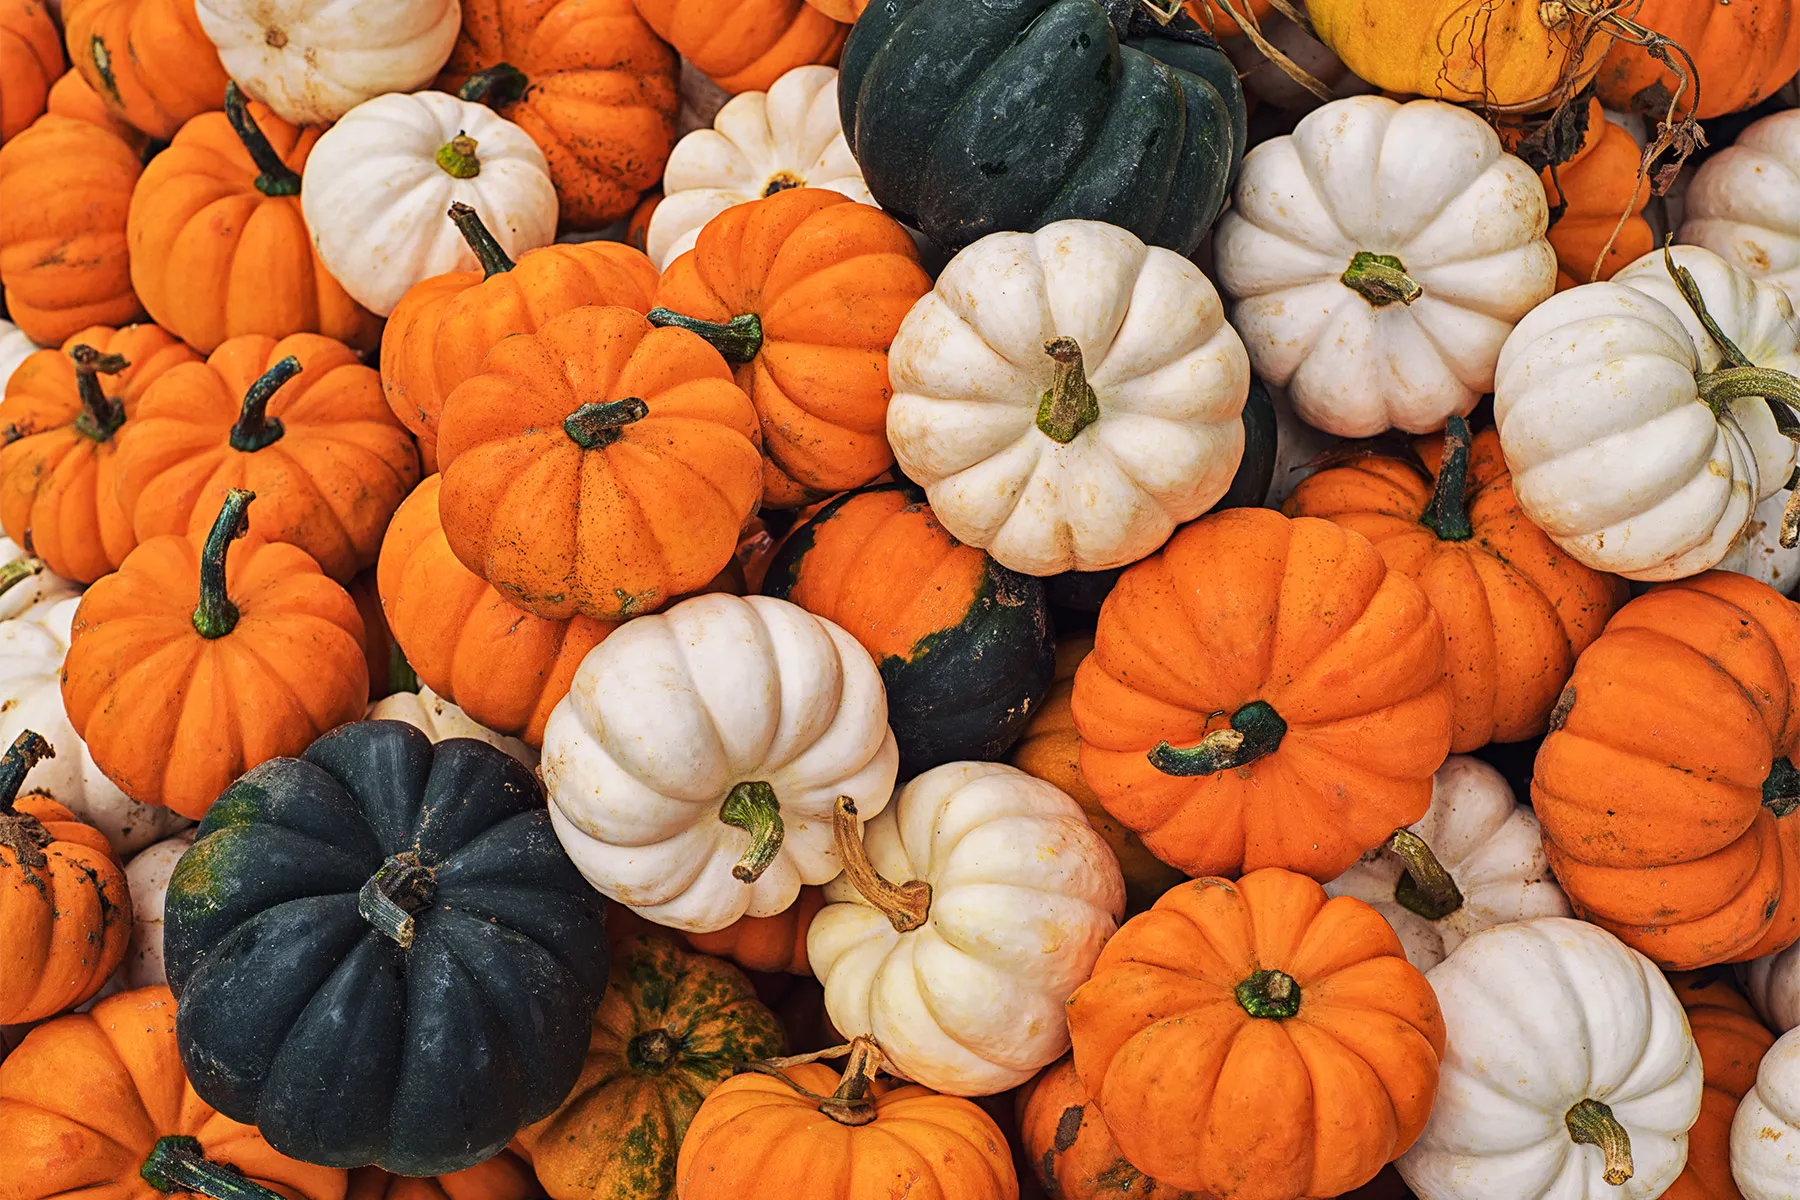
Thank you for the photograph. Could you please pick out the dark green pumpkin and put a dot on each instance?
(963, 643)
(381, 953)
(969, 118)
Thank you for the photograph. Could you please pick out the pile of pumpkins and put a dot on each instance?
(846, 599)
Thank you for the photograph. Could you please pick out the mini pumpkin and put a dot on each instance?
(746, 45)
(1765, 1151)
(149, 60)
(505, 1176)
(770, 944)
(1773, 982)
(31, 58)
(1735, 54)
(1590, 193)
(1731, 1041)
(1066, 1141)
(148, 874)
(1743, 203)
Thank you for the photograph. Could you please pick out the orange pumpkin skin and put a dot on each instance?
(1516, 610)
(327, 484)
(1651, 788)
(1296, 634)
(1588, 195)
(1066, 1141)
(149, 60)
(1743, 52)
(31, 58)
(606, 520)
(776, 944)
(1216, 1022)
(746, 45)
(1216, 21)
(505, 1176)
(830, 280)
(59, 470)
(1732, 1042)
(71, 96)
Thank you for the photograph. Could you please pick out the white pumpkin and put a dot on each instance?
(693, 765)
(1773, 985)
(15, 348)
(1067, 397)
(1616, 450)
(1743, 203)
(970, 910)
(760, 143)
(148, 876)
(1765, 1134)
(1570, 1072)
(440, 719)
(28, 588)
(312, 61)
(1758, 552)
(1489, 846)
(378, 187)
(1378, 258)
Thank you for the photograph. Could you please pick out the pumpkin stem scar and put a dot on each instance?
(23, 833)
(18, 571)
(1256, 730)
(1781, 790)
(1425, 887)
(738, 339)
(102, 59)
(255, 429)
(1070, 405)
(1592, 1123)
(753, 807)
(488, 251)
(906, 905)
(1447, 515)
(596, 426)
(1380, 279)
(101, 415)
(651, 1052)
(1272, 995)
(497, 86)
(276, 178)
(179, 1164)
(781, 181)
(457, 157)
(394, 893)
(215, 615)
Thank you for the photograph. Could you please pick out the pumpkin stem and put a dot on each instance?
(1689, 288)
(1781, 790)
(457, 157)
(101, 415)
(255, 429)
(737, 340)
(1256, 730)
(1272, 995)
(905, 905)
(652, 1051)
(215, 615)
(1447, 515)
(179, 1164)
(1380, 279)
(1070, 405)
(752, 807)
(1592, 1123)
(851, 1103)
(497, 86)
(277, 178)
(488, 252)
(393, 894)
(597, 426)
(18, 571)
(1426, 887)
(26, 752)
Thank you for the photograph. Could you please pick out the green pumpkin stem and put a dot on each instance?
(737, 340)
(754, 808)
(497, 86)
(907, 906)
(18, 571)
(597, 426)
(215, 615)
(1781, 790)
(179, 1164)
(1070, 405)
(255, 428)
(26, 752)
(1270, 995)
(457, 157)
(101, 415)
(1426, 887)
(488, 252)
(1689, 287)
(1592, 1123)
(277, 178)
(1380, 279)
(1447, 515)
(1256, 730)
(394, 893)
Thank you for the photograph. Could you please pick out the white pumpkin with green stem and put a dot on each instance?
(1773, 985)
(967, 913)
(439, 719)
(693, 766)
(1743, 203)
(1765, 1134)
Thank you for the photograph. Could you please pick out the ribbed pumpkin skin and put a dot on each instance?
(772, 944)
(1651, 789)
(71, 96)
(746, 45)
(1732, 1042)
(1066, 1141)
(149, 60)
(505, 1176)
(1593, 190)
(1743, 52)
(963, 644)
(31, 57)
(617, 1135)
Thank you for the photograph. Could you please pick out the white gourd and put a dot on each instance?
(1773, 984)
(1743, 203)
(147, 874)
(1765, 1134)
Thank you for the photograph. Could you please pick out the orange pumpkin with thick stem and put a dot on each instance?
(64, 413)
(1068, 1146)
(776, 944)
(1743, 53)
(803, 291)
(746, 45)
(218, 245)
(505, 1176)
(1667, 787)
(256, 654)
(1516, 610)
(1257, 1040)
(31, 57)
(149, 60)
(1732, 1042)
(1596, 192)
(1264, 692)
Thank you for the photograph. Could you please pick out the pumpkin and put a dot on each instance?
(1325, 237)
(444, 326)
(1516, 611)
(149, 60)
(64, 904)
(774, 944)
(591, 84)
(759, 1136)
(1731, 1041)
(311, 63)
(1662, 484)
(272, 642)
(1740, 52)
(1589, 193)
(671, 1027)
(597, 466)
(31, 57)
(1213, 1020)
(505, 1176)
(299, 421)
(218, 246)
(1758, 551)
(760, 143)
(375, 182)
(60, 466)
(1773, 984)
(963, 643)
(1065, 1140)
(1264, 692)
(424, 881)
(746, 45)
(429, 712)
(693, 766)
(147, 875)
(1765, 1134)
(802, 292)
(1030, 341)
(969, 123)
(96, 1103)
(1743, 203)
(71, 96)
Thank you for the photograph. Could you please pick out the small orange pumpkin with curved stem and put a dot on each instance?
(149, 60)
(746, 45)
(31, 57)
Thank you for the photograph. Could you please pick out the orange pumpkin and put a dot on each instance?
(1742, 51)
(804, 291)
(71, 96)
(300, 422)
(1264, 692)
(65, 910)
(1667, 788)
(1212, 17)
(776, 943)
(149, 60)
(31, 57)
(505, 1176)
(1516, 610)
(1256, 1039)
(62, 419)
(1732, 1042)
(255, 653)
(637, 229)
(746, 45)
(1066, 1141)
(388, 670)
(1589, 193)
(598, 466)
(218, 246)
(591, 84)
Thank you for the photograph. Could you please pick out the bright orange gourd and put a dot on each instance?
(1589, 194)
(31, 57)
(776, 943)
(1732, 1042)
(1667, 788)
(71, 96)
(804, 290)
(1743, 51)
(746, 45)
(1264, 692)
(1066, 1141)
(505, 1176)
(149, 60)
(1257, 1040)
